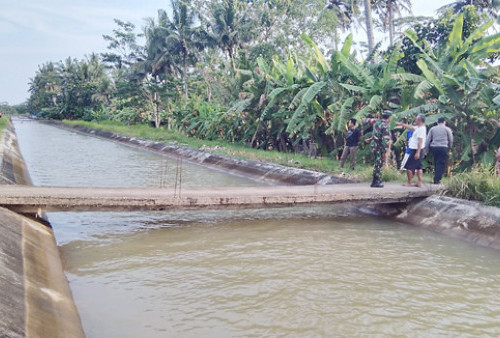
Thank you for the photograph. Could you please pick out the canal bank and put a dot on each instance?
(257, 170)
(465, 220)
(35, 298)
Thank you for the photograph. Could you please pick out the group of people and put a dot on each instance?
(438, 141)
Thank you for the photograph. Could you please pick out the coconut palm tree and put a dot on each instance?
(44, 90)
(489, 6)
(224, 27)
(369, 24)
(185, 39)
(386, 10)
(172, 45)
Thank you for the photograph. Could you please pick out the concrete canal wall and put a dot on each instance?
(35, 298)
(12, 167)
(467, 220)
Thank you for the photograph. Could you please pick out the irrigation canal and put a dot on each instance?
(311, 271)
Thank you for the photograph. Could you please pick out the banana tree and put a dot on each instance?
(457, 81)
(368, 88)
(301, 96)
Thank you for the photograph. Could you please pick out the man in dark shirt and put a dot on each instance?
(439, 140)
(351, 143)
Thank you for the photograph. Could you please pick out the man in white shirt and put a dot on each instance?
(417, 144)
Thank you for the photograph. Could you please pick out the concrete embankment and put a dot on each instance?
(35, 299)
(12, 167)
(273, 173)
(466, 220)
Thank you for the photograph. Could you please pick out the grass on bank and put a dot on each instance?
(478, 184)
(3, 122)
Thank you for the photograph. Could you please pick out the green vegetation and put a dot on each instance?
(477, 184)
(3, 122)
(273, 75)
(362, 173)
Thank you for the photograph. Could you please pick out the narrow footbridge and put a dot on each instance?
(29, 199)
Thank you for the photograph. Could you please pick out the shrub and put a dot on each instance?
(478, 184)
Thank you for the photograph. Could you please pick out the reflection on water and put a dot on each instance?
(287, 272)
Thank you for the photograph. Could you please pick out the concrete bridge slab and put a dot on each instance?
(30, 199)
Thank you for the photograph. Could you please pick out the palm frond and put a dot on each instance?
(408, 77)
(354, 88)
(422, 109)
(422, 88)
(311, 92)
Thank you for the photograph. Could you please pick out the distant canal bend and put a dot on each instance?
(295, 272)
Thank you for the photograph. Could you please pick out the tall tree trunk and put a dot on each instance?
(184, 81)
(156, 112)
(336, 39)
(369, 25)
(231, 56)
(391, 23)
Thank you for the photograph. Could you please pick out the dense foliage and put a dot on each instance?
(274, 74)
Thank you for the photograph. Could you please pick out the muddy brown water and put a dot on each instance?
(320, 271)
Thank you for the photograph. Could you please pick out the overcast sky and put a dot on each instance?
(33, 32)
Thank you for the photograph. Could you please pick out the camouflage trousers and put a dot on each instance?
(379, 157)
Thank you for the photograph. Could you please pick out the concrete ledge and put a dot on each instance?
(12, 300)
(12, 167)
(273, 173)
(470, 221)
(35, 299)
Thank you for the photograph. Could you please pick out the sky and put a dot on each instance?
(33, 32)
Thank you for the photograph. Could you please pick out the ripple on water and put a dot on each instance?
(281, 277)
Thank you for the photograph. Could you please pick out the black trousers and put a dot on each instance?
(440, 158)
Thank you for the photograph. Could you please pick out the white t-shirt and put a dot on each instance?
(419, 132)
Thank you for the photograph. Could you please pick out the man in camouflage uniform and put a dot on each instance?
(381, 137)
